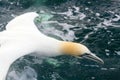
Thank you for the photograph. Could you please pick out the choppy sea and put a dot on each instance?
(94, 23)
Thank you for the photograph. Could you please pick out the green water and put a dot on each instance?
(95, 23)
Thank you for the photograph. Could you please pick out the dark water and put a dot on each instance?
(95, 23)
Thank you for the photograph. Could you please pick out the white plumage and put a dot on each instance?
(22, 37)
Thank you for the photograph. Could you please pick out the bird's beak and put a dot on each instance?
(92, 57)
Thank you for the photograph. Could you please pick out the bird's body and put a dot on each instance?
(22, 37)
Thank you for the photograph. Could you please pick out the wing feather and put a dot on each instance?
(23, 23)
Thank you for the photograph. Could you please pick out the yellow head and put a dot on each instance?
(74, 49)
(78, 50)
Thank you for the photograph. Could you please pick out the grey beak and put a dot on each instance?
(92, 57)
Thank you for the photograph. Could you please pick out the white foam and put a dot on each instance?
(76, 8)
(117, 18)
(87, 36)
(97, 14)
(112, 68)
(118, 52)
(93, 65)
(69, 36)
(13, 75)
(104, 69)
(27, 74)
(107, 22)
(67, 13)
(92, 77)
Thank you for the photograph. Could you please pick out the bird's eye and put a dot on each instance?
(85, 54)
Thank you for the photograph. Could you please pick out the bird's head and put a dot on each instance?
(79, 51)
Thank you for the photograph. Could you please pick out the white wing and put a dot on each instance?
(14, 41)
(23, 23)
(22, 37)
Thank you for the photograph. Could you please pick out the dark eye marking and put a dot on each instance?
(85, 54)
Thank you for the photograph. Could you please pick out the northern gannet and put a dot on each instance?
(22, 37)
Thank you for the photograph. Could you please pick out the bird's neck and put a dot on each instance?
(49, 47)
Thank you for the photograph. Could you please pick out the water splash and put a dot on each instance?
(27, 74)
(80, 21)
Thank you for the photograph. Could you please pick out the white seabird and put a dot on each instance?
(22, 37)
